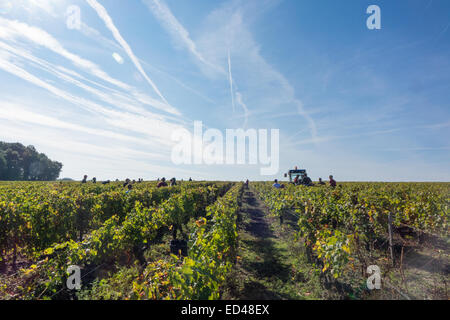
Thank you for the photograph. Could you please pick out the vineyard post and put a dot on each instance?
(390, 237)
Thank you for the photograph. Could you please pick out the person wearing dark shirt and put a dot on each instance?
(321, 182)
(332, 182)
(130, 187)
(162, 183)
(173, 182)
(306, 181)
(84, 179)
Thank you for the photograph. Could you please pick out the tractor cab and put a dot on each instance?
(300, 173)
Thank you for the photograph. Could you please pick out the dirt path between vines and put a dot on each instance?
(269, 266)
(273, 265)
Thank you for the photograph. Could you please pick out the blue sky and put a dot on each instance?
(356, 103)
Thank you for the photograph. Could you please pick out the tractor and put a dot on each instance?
(300, 173)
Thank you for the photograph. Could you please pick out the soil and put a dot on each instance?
(265, 269)
(273, 265)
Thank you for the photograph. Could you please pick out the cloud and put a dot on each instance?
(263, 85)
(225, 29)
(230, 77)
(351, 166)
(5, 7)
(16, 112)
(244, 106)
(317, 140)
(403, 149)
(436, 125)
(311, 123)
(50, 7)
(182, 84)
(109, 161)
(118, 58)
(103, 14)
(12, 29)
(108, 95)
(165, 16)
(22, 73)
(155, 127)
(94, 34)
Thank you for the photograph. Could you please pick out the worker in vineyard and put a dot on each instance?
(296, 180)
(190, 179)
(332, 182)
(130, 187)
(173, 182)
(306, 181)
(84, 179)
(276, 184)
(162, 183)
(94, 180)
(321, 182)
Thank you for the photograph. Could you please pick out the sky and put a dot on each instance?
(105, 96)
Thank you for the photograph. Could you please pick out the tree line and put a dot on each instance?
(18, 162)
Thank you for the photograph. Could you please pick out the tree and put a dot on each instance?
(18, 162)
(3, 164)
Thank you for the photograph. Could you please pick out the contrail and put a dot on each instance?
(15, 29)
(165, 16)
(231, 80)
(311, 123)
(103, 14)
(244, 106)
(238, 94)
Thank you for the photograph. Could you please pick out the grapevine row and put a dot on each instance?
(118, 238)
(338, 224)
(211, 256)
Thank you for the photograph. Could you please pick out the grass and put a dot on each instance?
(272, 265)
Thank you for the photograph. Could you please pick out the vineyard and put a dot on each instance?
(346, 229)
(121, 239)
